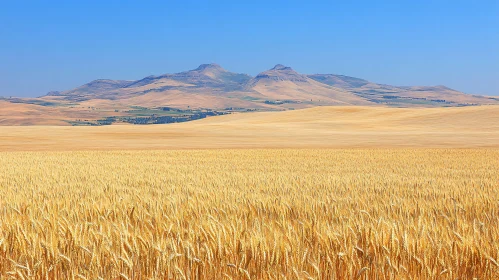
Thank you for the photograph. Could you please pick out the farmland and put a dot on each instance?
(384, 213)
(320, 127)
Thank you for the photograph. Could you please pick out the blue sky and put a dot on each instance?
(58, 45)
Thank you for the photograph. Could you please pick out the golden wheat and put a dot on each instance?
(250, 214)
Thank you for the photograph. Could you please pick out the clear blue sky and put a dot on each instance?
(57, 45)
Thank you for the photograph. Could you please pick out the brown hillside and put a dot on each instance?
(309, 128)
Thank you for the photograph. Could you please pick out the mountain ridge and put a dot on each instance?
(212, 77)
(280, 85)
(210, 89)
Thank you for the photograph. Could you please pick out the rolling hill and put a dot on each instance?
(212, 90)
(283, 84)
(319, 127)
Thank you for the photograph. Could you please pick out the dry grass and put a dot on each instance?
(321, 127)
(250, 214)
(12, 114)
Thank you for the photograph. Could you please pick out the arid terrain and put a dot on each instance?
(320, 127)
(333, 192)
(210, 90)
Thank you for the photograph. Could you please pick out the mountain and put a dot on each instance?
(281, 73)
(281, 87)
(93, 88)
(284, 84)
(402, 96)
(206, 75)
(211, 89)
(340, 81)
(209, 86)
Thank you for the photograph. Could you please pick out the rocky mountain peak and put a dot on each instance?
(281, 73)
(281, 67)
(210, 66)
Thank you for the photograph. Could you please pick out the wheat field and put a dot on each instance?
(319, 127)
(250, 214)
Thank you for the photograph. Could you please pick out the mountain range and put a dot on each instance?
(212, 88)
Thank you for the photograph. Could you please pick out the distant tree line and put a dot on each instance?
(170, 119)
(153, 119)
(279, 102)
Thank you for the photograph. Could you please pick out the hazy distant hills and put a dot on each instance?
(282, 84)
(211, 86)
(210, 89)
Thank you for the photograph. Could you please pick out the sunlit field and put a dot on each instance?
(250, 214)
